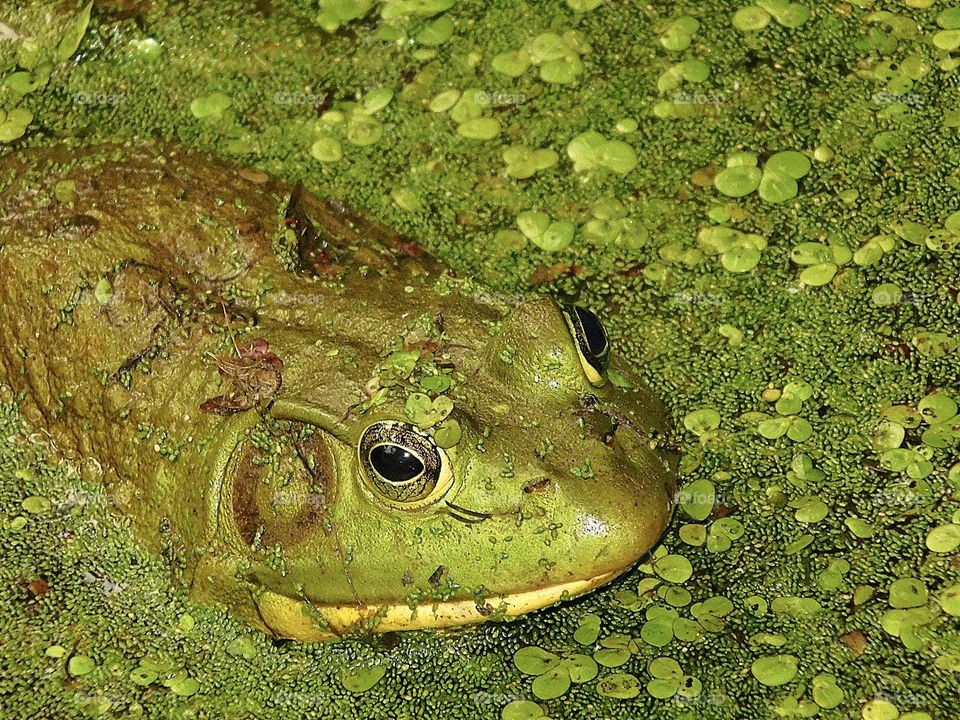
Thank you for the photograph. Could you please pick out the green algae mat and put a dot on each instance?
(764, 202)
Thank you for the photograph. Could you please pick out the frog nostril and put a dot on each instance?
(538, 485)
(608, 436)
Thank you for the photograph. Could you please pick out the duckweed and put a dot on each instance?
(775, 670)
(591, 151)
(727, 269)
(362, 679)
(210, 106)
(521, 710)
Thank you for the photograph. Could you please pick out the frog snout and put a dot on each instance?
(627, 505)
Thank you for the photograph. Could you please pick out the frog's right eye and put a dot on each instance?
(590, 337)
(403, 467)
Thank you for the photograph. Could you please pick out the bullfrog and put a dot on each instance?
(324, 429)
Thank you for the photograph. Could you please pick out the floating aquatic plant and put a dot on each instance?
(591, 151)
(556, 57)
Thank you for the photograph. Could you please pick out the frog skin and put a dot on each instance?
(240, 363)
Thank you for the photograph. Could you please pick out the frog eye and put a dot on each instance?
(403, 467)
(593, 347)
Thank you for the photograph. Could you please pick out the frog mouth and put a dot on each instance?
(301, 620)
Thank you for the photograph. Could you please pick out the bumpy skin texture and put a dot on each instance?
(118, 300)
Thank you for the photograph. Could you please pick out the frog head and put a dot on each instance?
(453, 461)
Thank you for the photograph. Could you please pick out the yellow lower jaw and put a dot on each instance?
(285, 617)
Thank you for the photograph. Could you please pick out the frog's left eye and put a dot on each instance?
(403, 467)
(593, 347)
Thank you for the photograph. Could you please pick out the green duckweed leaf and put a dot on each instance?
(810, 509)
(556, 237)
(949, 599)
(582, 668)
(533, 223)
(436, 32)
(826, 693)
(657, 632)
(426, 412)
(663, 689)
(552, 684)
(702, 421)
(14, 124)
(36, 504)
(523, 162)
(361, 679)
(751, 18)
(533, 660)
(908, 593)
(675, 596)
(65, 192)
(800, 430)
(880, 710)
(859, 527)
(521, 710)
(665, 668)
(811, 253)
(790, 163)
(182, 685)
(944, 538)
(143, 676)
(738, 181)
(817, 275)
(740, 258)
(547, 46)
(326, 148)
(673, 568)
(934, 344)
(70, 42)
(774, 428)
(798, 545)
(438, 383)
(363, 130)
(80, 665)
(937, 408)
(375, 100)
(611, 657)
(481, 128)
(693, 534)
(242, 646)
(621, 686)
(790, 15)
(795, 606)
(591, 151)
(562, 71)
(444, 101)
(588, 630)
(24, 83)
(777, 187)
(774, 670)
(448, 434)
(948, 40)
(697, 499)
(210, 106)
(512, 64)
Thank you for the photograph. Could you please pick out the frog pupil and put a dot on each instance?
(395, 463)
(593, 331)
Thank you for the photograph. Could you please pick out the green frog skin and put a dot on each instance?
(325, 430)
